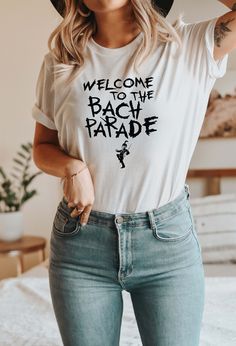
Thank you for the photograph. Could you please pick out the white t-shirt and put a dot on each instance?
(136, 134)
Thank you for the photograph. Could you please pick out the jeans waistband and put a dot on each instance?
(158, 214)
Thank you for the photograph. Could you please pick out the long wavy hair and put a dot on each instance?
(79, 24)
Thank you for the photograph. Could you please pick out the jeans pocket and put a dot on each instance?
(175, 228)
(64, 225)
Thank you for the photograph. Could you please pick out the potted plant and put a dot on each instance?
(14, 192)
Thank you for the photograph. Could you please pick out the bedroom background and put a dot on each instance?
(25, 27)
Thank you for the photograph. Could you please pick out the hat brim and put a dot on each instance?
(163, 5)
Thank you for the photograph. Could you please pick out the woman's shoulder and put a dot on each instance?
(50, 59)
(192, 29)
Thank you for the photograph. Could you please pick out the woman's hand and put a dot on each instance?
(79, 192)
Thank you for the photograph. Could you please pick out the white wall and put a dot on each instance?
(24, 29)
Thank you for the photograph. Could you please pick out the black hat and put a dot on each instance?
(164, 5)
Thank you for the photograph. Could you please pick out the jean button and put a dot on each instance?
(119, 219)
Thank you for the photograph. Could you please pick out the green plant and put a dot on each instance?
(14, 192)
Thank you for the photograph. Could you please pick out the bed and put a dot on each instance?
(27, 317)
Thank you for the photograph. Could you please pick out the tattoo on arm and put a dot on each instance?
(221, 30)
(234, 7)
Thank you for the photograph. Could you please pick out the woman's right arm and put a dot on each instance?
(48, 155)
(50, 158)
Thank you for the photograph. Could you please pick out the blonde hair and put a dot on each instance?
(72, 34)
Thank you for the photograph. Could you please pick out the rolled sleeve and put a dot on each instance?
(199, 42)
(216, 68)
(43, 108)
(42, 118)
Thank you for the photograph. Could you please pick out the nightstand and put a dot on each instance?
(27, 244)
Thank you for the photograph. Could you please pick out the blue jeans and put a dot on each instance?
(153, 255)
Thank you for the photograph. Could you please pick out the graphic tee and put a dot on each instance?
(137, 133)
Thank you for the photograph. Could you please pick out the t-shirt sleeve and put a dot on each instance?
(43, 108)
(199, 39)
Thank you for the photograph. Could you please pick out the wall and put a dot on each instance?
(24, 29)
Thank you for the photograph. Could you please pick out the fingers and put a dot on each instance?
(72, 204)
(83, 211)
(85, 214)
(77, 210)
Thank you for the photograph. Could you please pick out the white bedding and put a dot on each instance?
(27, 318)
(215, 220)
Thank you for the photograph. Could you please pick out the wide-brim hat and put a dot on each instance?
(164, 5)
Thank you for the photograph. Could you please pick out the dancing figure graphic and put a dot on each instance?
(124, 151)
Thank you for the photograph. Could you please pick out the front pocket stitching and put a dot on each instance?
(65, 220)
(155, 230)
(175, 238)
(59, 232)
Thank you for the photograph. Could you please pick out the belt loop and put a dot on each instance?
(151, 219)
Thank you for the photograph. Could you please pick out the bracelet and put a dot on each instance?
(71, 176)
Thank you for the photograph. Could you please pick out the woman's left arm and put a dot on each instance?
(225, 31)
(229, 3)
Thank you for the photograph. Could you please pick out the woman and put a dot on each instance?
(120, 101)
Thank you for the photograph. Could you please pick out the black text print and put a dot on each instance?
(121, 113)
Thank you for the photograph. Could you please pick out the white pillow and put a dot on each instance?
(215, 221)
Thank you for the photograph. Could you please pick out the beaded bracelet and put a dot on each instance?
(71, 176)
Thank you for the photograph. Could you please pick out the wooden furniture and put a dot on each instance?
(27, 244)
(212, 177)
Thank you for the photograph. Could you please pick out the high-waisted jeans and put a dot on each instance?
(155, 256)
